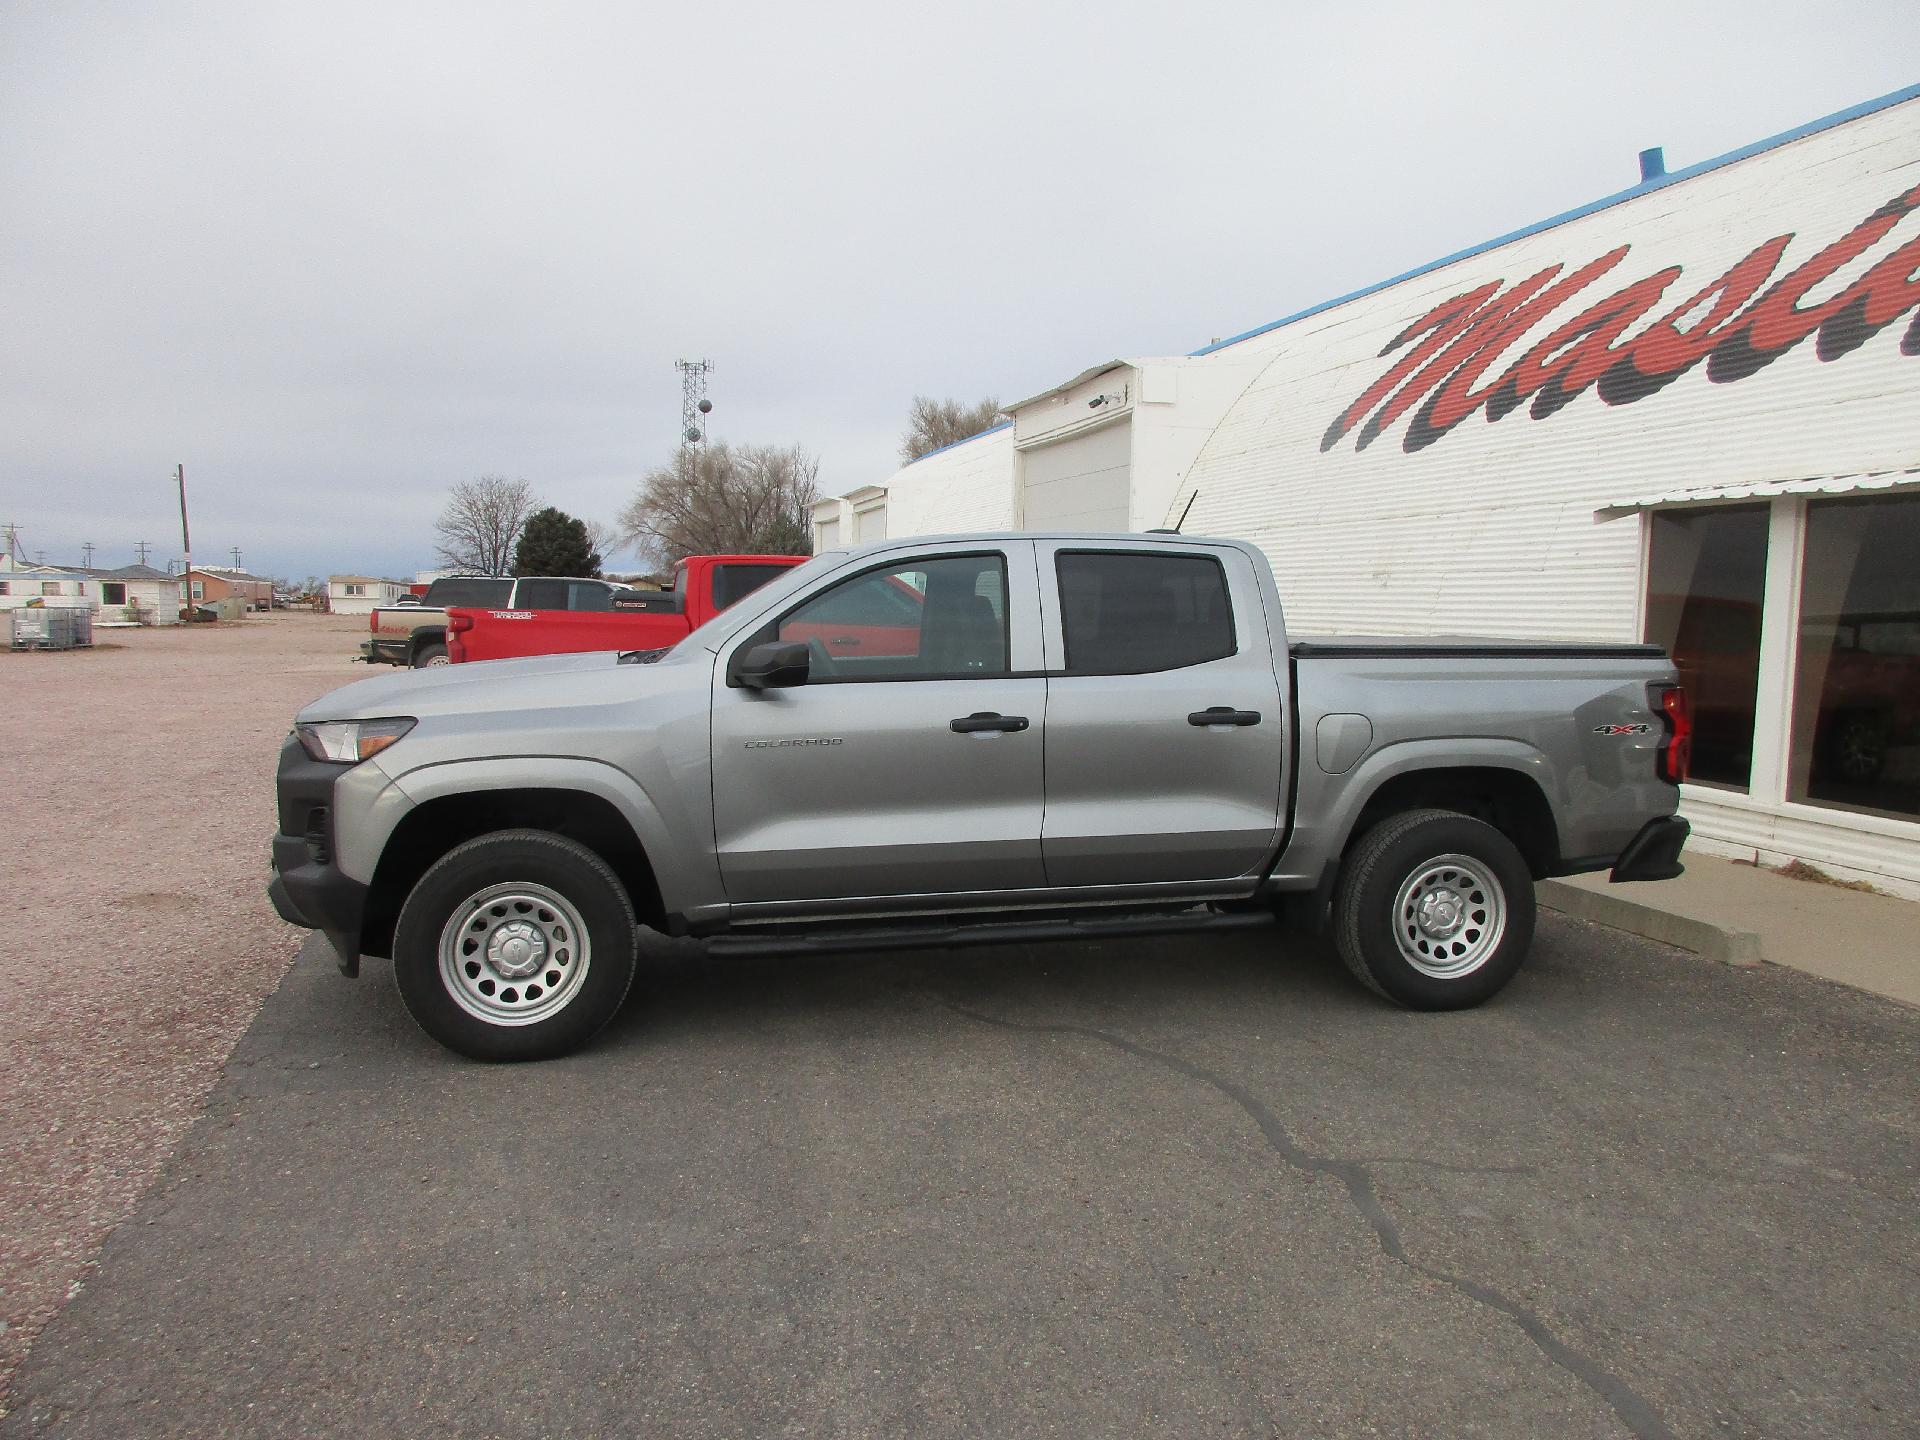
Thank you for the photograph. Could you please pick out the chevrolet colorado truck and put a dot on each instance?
(414, 634)
(703, 586)
(1067, 735)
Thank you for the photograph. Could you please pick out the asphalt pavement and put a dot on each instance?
(1153, 1188)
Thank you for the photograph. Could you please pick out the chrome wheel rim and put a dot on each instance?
(1449, 916)
(514, 954)
(438, 660)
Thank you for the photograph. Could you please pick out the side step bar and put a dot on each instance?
(1009, 932)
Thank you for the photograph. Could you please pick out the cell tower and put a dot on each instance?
(694, 405)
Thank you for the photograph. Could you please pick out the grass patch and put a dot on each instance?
(1800, 870)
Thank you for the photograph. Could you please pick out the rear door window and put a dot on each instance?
(541, 595)
(1126, 613)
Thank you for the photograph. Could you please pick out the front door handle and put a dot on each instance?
(1223, 715)
(987, 720)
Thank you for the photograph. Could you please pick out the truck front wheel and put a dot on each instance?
(1434, 910)
(519, 945)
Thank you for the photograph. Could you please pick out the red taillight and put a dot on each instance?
(1677, 753)
(459, 624)
(373, 620)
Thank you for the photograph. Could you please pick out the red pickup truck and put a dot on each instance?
(703, 586)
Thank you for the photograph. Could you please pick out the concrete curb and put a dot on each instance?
(1703, 937)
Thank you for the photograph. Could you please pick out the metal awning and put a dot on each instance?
(1864, 482)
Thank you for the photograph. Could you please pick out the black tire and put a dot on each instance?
(1485, 889)
(531, 874)
(426, 655)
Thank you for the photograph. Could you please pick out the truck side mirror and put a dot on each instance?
(773, 665)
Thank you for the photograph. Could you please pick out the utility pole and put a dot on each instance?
(13, 543)
(186, 542)
(86, 555)
(235, 552)
(140, 548)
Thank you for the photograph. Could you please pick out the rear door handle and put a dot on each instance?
(1223, 715)
(987, 720)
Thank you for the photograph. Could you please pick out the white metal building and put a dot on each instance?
(1689, 412)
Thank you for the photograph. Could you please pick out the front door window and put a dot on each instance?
(944, 618)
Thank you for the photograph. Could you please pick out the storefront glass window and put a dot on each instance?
(1856, 695)
(1704, 582)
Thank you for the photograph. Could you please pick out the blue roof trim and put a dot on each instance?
(1839, 117)
(1003, 425)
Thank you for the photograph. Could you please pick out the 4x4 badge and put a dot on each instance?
(1621, 729)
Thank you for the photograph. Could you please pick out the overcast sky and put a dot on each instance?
(336, 258)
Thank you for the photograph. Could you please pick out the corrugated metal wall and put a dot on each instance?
(968, 486)
(1490, 527)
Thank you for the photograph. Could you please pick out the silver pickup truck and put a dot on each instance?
(968, 739)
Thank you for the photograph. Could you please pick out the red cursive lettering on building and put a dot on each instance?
(1737, 324)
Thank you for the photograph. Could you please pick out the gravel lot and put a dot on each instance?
(134, 826)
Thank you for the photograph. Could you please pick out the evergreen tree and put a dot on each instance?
(554, 543)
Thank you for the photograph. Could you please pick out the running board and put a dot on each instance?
(1009, 932)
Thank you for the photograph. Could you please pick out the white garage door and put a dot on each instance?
(1078, 484)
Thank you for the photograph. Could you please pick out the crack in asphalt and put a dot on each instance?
(1633, 1409)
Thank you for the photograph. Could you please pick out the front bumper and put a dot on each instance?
(308, 888)
(1653, 854)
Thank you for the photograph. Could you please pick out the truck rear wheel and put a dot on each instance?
(1434, 910)
(519, 945)
(435, 654)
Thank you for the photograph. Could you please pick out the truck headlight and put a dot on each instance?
(348, 742)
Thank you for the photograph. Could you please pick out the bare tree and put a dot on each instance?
(935, 424)
(724, 500)
(482, 524)
(605, 539)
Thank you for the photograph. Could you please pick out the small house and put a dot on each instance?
(360, 594)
